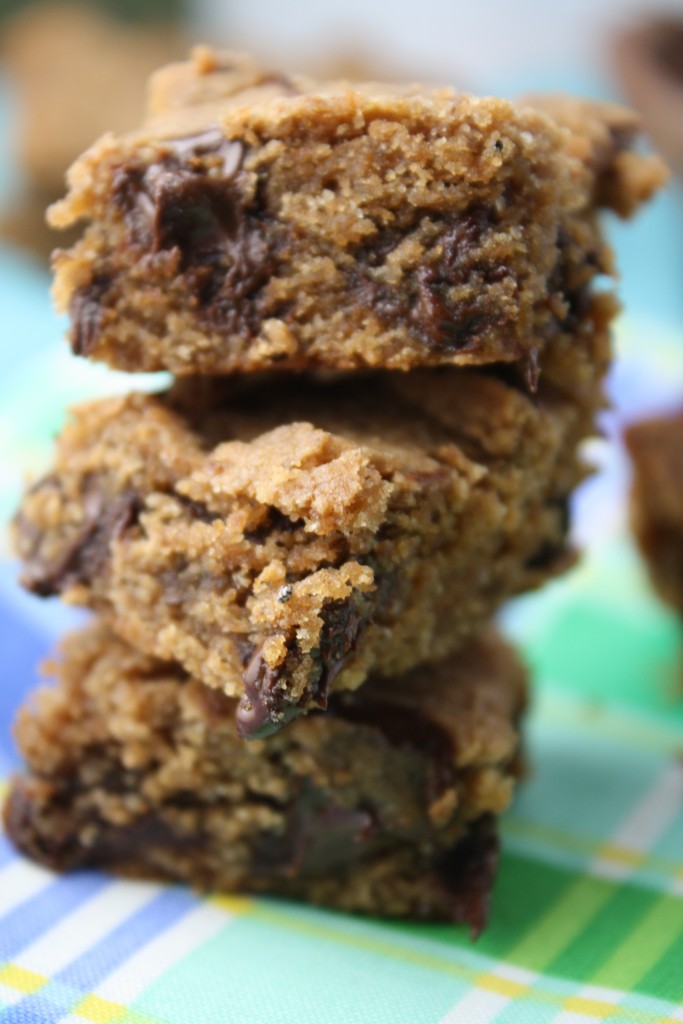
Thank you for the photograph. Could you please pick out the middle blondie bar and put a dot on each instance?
(283, 539)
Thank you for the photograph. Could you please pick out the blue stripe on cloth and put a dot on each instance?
(151, 920)
(43, 1007)
(26, 922)
(59, 996)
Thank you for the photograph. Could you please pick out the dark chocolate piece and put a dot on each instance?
(192, 204)
(266, 707)
(86, 310)
(437, 322)
(262, 710)
(89, 549)
(321, 837)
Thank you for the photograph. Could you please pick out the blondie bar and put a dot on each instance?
(263, 221)
(385, 805)
(285, 537)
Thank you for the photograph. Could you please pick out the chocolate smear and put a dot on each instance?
(468, 873)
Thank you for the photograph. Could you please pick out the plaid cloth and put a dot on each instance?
(587, 922)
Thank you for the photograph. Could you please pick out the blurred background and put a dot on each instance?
(70, 71)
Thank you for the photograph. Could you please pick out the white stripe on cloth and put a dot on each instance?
(19, 881)
(646, 823)
(81, 929)
(130, 979)
(477, 1007)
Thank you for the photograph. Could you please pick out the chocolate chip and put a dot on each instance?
(425, 308)
(212, 142)
(553, 552)
(194, 214)
(57, 848)
(196, 203)
(273, 521)
(86, 552)
(86, 309)
(53, 838)
(196, 509)
(342, 626)
(266, 705)
(321, 836)
(264, 708)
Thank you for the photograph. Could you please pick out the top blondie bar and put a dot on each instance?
(259, 220)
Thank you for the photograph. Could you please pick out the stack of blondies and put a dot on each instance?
(385, 316)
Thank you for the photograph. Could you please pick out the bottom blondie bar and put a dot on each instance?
(386, 804)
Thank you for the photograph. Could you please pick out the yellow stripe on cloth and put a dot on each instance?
(231, 904)
(590, 1007)
(621, 855)
(501, 986)
(99, 1011)
(21, 979)
(561, 924)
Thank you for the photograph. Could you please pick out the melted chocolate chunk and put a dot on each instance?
(192, 202)
(342, 626)
(321, 836)
(86, 310)
(86, 553)
(194, 214)
(435, 319)
(58, 849)
(58, 846)
(468, 873)
(266, 706)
